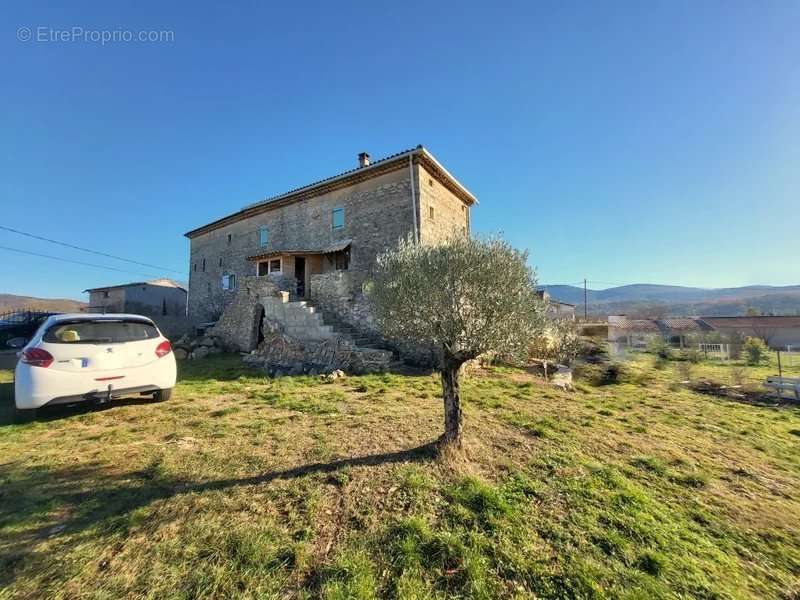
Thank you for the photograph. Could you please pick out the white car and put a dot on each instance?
(76, 357)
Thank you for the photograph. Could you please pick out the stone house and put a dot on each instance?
(319, 242)
(158, 297)
(162, 300)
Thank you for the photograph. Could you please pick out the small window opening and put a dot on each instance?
(263, 236)
(204, 265)
(431, 212)
(338, 218)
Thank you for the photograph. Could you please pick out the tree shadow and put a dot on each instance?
(69, 506)
(8, 415)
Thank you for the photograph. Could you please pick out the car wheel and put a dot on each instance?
(162, 395)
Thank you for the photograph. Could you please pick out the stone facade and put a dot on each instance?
(162, 300)
(442, 213)
(381, 204)
(377, 214)
(320, 242)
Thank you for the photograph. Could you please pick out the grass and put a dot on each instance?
(241, 486)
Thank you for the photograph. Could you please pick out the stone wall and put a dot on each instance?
(342, 293)
(280, 354)
(451, 216)
(237, 328)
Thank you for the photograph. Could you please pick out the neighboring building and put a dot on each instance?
(556, 309)
(321, 240)
(778, 332)
(156, 299)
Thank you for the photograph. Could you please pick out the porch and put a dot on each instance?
(295, 267)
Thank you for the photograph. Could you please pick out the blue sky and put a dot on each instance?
(650, 142)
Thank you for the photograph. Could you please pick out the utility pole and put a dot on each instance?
(585, 303)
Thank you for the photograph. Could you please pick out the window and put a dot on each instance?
(195, 267)
(100, 331)
(463, 208)
(430, 212)
(341, 260)
(430, 182)
(105, 294)
(230, 237)
(220, 261)
(338, 218)
(204, 265)
(269, 266)
(263, 236)
(164, 307)
(229, 282)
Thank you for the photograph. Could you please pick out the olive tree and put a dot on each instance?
(466, 297)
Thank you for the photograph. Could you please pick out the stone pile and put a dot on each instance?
(282, 355)
(186, 348)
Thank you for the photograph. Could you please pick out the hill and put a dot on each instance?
(674, 300)
(11, 302)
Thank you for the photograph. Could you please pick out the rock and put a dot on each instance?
(200, 352)
(180, 354)
(213, 349)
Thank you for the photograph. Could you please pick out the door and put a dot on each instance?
(300, 275)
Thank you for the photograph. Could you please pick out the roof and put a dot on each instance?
(635, 324)
(761, 321)
(419, 155)
(683, 324)
(162, 282)
(337, 246)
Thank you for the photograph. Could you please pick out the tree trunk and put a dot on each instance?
(451, 373)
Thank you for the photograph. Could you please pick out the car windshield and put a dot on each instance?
(100, 331)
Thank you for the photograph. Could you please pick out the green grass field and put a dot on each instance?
(242, 486)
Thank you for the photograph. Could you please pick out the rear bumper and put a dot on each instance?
(103, 395)
(35, 387)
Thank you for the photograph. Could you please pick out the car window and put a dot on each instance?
(99, 332)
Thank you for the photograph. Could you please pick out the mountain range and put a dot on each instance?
(10, 302)
(650, 300)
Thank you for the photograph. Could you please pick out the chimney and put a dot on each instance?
(363, 159)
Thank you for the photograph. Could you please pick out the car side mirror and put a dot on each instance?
(17, 342)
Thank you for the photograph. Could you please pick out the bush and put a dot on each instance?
(693, 355)
(755, 351)
(659, 347)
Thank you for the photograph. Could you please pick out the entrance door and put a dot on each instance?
(300, 275)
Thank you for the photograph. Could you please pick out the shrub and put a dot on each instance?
(693, 355)
(659, 347)
(685, 370)
(755, 351)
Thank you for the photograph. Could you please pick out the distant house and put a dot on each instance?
(778, 332)
(556, 309)
(156, 298)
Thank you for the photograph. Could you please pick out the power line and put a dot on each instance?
(65, 244)
(77, 262)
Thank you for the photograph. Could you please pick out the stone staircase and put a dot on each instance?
(359, 337)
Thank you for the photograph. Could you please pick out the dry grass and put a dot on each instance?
(245, 487)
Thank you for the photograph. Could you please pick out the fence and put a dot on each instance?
(721, 351)
(791, 357)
